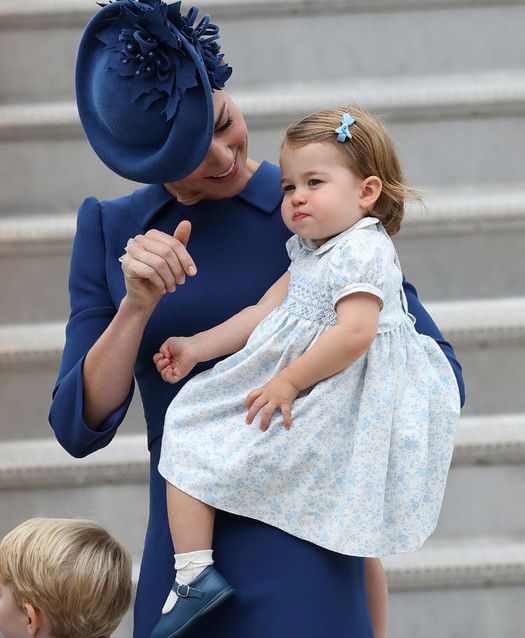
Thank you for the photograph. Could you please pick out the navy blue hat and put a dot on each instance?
(144, 81)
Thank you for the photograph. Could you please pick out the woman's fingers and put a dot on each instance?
(182, 232)
(138, 251)
(177, 246)
(136, 269)
(160, 258)
(171, 252)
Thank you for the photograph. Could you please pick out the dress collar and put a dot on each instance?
(146, 202)
(263, 191)
(312, 245)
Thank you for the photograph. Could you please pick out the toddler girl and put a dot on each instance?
(356, 411)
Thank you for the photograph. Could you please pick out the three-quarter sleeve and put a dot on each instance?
(92, 309)
(426, 325)
(359, 264)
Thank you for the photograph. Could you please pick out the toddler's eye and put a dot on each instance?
(288, 188)
(314, 182)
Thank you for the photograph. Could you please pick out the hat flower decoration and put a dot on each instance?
(204, 38)
(148, 50)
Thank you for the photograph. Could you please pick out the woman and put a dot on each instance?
(162, 119)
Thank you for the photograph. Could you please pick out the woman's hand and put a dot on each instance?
(277, 393)
(176, 358)
(156, 263)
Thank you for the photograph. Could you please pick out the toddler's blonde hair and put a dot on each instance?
(74, 571)
(369, 152)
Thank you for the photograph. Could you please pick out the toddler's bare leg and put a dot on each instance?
(191, 521)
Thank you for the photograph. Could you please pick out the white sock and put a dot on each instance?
(188, 566)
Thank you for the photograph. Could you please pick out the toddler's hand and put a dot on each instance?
(176, 358)
(277, 393)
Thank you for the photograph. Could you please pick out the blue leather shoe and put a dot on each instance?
(207, 591)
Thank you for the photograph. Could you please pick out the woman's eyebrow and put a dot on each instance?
(221, 113)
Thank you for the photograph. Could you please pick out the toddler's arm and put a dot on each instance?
(338, 347)
(232, 335)
(356, 328)
(178, 355)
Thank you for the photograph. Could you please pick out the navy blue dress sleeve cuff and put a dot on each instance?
(66, 416)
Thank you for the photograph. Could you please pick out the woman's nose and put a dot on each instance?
(219, 156)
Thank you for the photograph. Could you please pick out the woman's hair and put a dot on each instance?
(74, 571)
(369, 152)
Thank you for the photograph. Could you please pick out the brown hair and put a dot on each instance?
(369, 152)
(74, 571)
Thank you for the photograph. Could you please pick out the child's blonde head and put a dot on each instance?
(369, 152)
(74, 571)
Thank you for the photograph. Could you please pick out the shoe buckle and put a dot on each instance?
(181, 592)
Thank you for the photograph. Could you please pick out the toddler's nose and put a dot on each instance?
(298, 197)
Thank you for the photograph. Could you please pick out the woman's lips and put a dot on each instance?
(230, 174)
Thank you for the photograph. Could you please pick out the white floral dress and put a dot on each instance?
(362, 471)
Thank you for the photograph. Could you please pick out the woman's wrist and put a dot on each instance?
(134, 312)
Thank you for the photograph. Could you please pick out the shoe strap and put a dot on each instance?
(185, 591)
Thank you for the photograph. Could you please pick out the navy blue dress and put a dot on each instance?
(284, 586)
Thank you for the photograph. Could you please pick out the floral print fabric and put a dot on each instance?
(363, 469)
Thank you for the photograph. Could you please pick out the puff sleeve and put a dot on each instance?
(359, 264)
(92, 310)
(294, 248)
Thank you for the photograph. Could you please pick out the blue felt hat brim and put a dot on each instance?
(162, 151)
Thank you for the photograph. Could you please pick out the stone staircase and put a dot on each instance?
(448, 78)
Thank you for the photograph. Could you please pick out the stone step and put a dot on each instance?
(34, 264)
(488, 336)
(37, 477)
(443, 245)
(376, 38)
(439, 247)
(488, 460)
(468, 587)
(421, 113)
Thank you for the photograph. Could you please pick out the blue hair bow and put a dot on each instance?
(343, 131)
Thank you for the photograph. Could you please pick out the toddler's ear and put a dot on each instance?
(371, 188)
